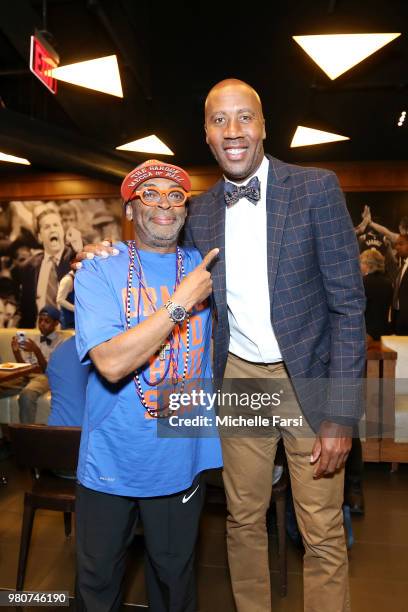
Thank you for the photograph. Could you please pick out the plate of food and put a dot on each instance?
(9, 365)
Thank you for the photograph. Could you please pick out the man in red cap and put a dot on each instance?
(144, 324)
(153, 169)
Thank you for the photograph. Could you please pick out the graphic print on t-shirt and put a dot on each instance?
(157, 366)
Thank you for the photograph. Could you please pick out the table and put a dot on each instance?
(395, 448)
(382, 443)
(7, 375)
(380, 404)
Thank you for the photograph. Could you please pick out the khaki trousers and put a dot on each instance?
(248, 465)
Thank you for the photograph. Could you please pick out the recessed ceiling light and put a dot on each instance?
(150, 144)
(337, 53)
(402, 118)
(305, 136)
(13, 159)
(100, 74)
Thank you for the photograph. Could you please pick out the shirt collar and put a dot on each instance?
(56, 257)
(52, 336)
(261, 173)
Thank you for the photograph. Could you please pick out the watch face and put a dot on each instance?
(178, 313)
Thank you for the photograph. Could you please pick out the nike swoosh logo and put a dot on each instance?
(185, 499)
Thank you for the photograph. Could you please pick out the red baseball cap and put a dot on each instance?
(149, 169)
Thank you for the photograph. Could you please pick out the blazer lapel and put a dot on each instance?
(277, 204)
(216, 238)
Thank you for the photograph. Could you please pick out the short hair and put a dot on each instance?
(43, 213)
(68, 208)
(373, 259)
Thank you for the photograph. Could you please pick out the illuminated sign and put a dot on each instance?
(43, 58)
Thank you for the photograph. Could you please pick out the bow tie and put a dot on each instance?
(251, 191)
(46, 340)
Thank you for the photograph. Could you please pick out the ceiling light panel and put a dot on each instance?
(335, 54)
(13, 159)
(305, 137)
(100, 74)
(150, 144)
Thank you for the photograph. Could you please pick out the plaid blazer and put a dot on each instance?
(315, 285)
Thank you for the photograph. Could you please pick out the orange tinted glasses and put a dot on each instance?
(152, 196)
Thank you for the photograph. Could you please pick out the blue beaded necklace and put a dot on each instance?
(173, 358)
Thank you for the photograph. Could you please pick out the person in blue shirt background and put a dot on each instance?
(144, 324)
(68, 379)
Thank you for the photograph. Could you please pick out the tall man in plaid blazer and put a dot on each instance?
(289, 302)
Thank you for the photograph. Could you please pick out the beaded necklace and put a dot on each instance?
(134, 255)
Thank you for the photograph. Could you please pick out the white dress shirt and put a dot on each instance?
(43, 277)
(45, 348)
(251, 333)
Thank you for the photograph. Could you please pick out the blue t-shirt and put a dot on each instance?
(121, 452)
(68, 379)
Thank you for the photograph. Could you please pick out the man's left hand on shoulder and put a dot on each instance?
(331, 448)
(102, 249)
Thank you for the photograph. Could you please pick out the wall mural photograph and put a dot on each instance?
(379, 217)
(38, 240)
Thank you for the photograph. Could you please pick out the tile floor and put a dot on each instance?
(378, 560)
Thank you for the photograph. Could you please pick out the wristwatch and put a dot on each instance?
(177, 313)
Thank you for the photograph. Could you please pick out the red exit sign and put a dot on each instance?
(43, 58)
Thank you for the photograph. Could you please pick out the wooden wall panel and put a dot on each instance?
(55, 186)
(370, 176)
(353, 176)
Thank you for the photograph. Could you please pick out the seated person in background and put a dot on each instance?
(68, 379)
(36, 353)
(378, 290)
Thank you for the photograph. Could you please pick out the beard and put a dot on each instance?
(163, 236)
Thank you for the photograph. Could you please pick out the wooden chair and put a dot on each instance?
(42, 449)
